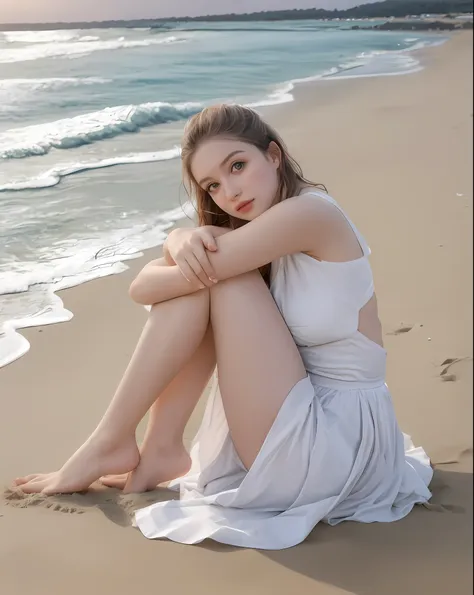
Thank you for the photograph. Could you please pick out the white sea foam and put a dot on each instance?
(281, 95)
(371, 64)
(52, 83)
(404, 64)
(88, 128)
(42, 36)
(53, 176)
(76, 263)
(81, 47)
(68, 260)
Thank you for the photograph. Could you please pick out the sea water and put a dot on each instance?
(90, 125)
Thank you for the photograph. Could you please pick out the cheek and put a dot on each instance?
(265, 180)
(220, 200)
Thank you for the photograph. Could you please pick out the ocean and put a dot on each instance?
(90, 125)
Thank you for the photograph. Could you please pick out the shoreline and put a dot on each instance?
(18, 346)
(161, 23)
(396, 152)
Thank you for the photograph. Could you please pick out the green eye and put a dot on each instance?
(238, 165)
(212, 187)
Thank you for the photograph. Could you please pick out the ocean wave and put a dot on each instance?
(89, 128)
(37, 282)
(281, 95)
(39, 84)
(364, 65)
(381, 63)
(67, 262)
(421, 45)
(41, 36)
(53, 176)
(71, 49)
(376, 63)
(72, 262)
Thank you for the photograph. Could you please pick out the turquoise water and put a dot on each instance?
(102, 103)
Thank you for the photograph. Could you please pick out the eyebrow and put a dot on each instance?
(229, 156)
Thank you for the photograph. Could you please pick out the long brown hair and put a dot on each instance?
(243, 124)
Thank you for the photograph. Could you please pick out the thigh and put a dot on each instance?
(257, 360)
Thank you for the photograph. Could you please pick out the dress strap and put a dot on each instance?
(360, 238)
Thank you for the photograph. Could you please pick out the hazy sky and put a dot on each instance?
(17, 11)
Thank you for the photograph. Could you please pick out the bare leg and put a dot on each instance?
(256, 371)
(257, 359)
(163, 456)
(258, 365)
(173, 332)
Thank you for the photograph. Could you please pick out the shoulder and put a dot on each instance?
(313, 208)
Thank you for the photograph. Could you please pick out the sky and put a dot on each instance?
(32, 11)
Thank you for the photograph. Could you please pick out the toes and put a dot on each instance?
(131, 488)
(22, 480)
(135, 485)
(34, 487)
(35, 484)
(115, 481)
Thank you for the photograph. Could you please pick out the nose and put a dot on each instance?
(231, 190)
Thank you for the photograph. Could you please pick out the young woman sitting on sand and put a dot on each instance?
(275, 288)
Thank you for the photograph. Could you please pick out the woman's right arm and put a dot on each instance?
(297, 224)
(183, 274)
(188, 249)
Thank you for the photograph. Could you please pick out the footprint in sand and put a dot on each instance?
(117, 507)
(449, 363)
(18, 499)
(404, 328)
(452, 508)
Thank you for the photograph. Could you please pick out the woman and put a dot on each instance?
(274, 288)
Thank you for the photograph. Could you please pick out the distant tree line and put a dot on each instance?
(386, 9)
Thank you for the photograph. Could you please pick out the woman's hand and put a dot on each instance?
(188, 248)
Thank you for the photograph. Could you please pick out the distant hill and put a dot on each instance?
(386, 9)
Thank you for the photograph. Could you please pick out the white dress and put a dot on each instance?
(334, 453)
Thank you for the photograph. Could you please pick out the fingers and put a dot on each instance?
(199, 272)
(193, 260)
(209, 241)
(186, 270)
(201, 255)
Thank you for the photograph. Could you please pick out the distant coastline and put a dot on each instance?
(417, 12)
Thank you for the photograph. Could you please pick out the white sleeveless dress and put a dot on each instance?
(335, 451)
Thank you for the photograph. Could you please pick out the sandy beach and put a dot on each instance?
(396, 152)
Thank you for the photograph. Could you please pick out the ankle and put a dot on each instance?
(105, 439)
(168, 446)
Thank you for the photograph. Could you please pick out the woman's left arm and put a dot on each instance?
(287, 228)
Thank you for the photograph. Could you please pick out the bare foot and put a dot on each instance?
(94, 458)
(156, 466)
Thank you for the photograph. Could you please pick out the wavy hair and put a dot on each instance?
(243, 124)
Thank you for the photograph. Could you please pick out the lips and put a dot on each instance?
(244, 204)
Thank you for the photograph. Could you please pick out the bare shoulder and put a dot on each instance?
(320, 212)
(307, 204)
(336, 239)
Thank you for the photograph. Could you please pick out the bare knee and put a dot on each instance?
(197, 302)
(161, 262)
(244, 281)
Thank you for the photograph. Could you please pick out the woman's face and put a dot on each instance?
(239, 178)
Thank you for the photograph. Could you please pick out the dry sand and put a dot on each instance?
(397, 153)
